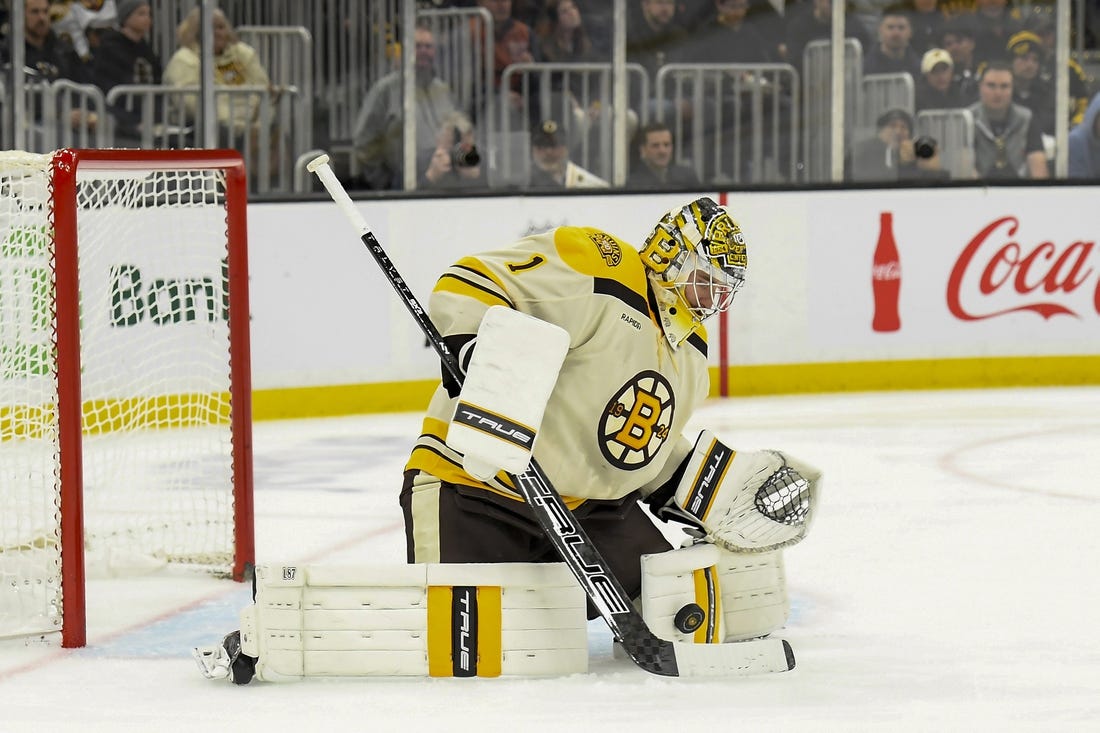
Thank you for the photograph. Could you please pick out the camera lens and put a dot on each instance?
(465, 158)
(924, 147)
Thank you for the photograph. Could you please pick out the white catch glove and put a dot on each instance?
(749, 501)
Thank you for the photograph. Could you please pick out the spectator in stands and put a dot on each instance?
(599, 20)
(993, 26)
(732, 39)
(83, 22)
(1041, 22)
(1007, 145)
(935, 89)
(813, 21)
(891, 154)
(958, 40)
(654, 168)
(377, 137)
(551, 167)
(893, 53)
(235, 64)
(927, 21)
(1028, 90)
(513, 40)
(654, 37)
(49, 56)
(1084, 144)
(563, 38)
(761, 15)
(125, 57)
(456, 161)
(513, 43)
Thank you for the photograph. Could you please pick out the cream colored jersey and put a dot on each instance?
(615, 419)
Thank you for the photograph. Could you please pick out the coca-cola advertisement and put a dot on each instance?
(976, 273)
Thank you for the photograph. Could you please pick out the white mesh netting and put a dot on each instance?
(157, 444)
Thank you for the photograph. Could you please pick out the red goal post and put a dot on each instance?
(125, 413)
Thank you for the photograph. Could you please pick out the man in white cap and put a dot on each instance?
(936, 88)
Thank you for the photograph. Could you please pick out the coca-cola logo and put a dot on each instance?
(887, 271)
(1040, 275)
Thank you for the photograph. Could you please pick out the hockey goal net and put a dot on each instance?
(124, 374)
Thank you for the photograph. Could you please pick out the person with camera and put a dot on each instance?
(893, 155)
(456, 161)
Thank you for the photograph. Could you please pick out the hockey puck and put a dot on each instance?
(689, 618)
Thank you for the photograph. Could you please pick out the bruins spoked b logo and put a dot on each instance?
(636, 421)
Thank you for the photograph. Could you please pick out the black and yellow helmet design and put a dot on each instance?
(698, 251)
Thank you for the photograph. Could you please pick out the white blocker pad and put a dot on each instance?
(512, 372)
(741, 595)
(458, 620)
(748, 501)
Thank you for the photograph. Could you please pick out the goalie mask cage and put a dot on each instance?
(125, 410)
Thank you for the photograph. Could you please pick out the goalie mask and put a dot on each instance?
(697, 254)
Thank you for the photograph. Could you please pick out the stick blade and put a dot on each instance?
(735, 659)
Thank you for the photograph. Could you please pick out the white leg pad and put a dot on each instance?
(754, 593)
(742, 595)
(461, 620)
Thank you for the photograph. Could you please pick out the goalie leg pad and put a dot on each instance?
(740, 595)
(439, 620)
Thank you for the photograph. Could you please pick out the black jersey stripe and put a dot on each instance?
(614, 288)
(495, 293)
(698, 342)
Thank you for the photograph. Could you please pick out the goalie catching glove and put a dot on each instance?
(747, 501)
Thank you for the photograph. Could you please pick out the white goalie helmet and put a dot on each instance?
(699, 252)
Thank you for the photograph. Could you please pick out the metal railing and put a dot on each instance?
(817, 111)
(286, 52)
(577, 97)
(953, 131)
(882, 92)
(743, 120)
(59, 114)
(257, 120)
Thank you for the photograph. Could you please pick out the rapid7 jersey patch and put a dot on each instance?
(635, 423)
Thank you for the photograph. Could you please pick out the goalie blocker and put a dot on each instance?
(512, 372)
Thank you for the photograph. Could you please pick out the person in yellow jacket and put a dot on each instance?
(235, 64)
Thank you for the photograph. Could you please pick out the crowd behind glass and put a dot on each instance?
(550, 94)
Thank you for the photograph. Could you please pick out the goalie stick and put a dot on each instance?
(651, 653)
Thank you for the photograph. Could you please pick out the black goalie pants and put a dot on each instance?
(449, 523)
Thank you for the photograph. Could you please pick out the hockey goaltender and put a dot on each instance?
(575, 348)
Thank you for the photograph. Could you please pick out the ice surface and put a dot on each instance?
(949, 583)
